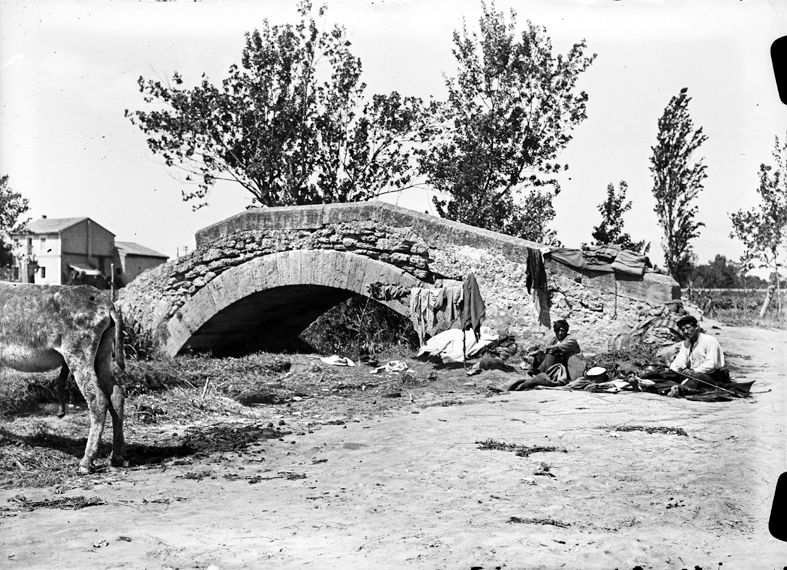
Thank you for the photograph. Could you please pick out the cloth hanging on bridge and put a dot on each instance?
(425, 303)
(386, 291)
(602, 258)
(536, 283)
(473, 306)
(428, 303)
(453, 302)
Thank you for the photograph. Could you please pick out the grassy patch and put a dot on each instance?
(519, 450)
(540, 521)
(653, 429)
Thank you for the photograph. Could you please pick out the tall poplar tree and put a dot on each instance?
(763, 229)
(677, 181)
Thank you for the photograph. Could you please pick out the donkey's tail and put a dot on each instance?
(119, 351)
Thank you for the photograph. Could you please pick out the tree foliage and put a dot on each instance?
(290, 123)
(12, 206)
(511, 107)
(677, 181)
(610, 230)
(721, 273)
(763, 228)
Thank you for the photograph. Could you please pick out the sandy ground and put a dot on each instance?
(412, 489)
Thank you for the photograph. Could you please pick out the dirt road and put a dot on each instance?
(413, 489)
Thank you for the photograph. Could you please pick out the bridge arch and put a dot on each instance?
(268, 301)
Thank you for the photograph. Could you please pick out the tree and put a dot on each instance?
(720, 273)
(12, 206)
(610, 230)
(763, 229)
(289, 124)
(511, 107)
(677, 180)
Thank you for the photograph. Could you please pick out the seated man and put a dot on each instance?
(550, 364)
(700, 360)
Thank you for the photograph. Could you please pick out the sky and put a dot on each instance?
(68, 71)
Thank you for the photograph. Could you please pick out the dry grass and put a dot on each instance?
(744, 318)
(189, 405)
(23, 393)
(739, 307)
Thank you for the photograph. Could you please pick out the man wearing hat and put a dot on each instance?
(700, 358)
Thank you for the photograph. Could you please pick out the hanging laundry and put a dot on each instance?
(386, 291)
(425, 304)
(536, 272)
(419, 299)
(473, 306)
(453, 303)
(536, 283)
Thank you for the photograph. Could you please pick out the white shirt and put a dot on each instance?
(705, 356)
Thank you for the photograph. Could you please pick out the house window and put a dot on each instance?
(42, 244)
(29, 246)
(43, 272)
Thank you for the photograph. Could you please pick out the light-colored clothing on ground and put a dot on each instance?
(705, 356)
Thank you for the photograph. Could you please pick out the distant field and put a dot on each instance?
(738, 306)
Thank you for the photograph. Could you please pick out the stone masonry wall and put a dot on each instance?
(156, 295)
(432, 250)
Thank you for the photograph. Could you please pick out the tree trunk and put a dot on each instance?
(778, 292)
(767, 301)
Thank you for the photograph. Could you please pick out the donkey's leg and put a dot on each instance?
(87, 380)
(62, 382)
(111, 389)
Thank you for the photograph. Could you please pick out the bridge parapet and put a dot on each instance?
(429, 250)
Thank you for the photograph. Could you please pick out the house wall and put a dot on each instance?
(88, 243)
(133, 265)
(45, 249)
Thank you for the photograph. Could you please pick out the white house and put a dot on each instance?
(59, 251)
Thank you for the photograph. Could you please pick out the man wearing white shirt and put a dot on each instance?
(700, 357)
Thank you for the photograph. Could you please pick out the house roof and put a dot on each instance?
(131, 248)
(51, 225)
(54, 225)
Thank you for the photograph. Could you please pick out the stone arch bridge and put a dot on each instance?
(258, 279)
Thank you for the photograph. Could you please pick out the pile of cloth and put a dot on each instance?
(386, 291)
(659, 326)
(655, 378)
(602, 258)
(455, 345)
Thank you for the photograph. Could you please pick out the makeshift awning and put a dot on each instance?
(605, 259)
(84, 269)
